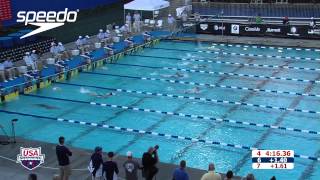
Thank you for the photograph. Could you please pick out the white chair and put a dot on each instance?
(159, 23)
(152, 23)
(146, 22)
(155, 14)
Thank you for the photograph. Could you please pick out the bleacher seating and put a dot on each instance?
(17, 53)
(265, 10)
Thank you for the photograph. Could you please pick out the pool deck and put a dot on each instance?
(79, 161)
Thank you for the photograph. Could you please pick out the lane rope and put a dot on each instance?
(242, 54)
(206, 84)
(265, 47)
(169, 136)
(232, 63)
(222, 73)
(178, 114)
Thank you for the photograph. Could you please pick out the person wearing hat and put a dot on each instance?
(62, 50)
(86, 43)
(101, 36)
(313, 23)
(29, 61)
(131, 167)
(96, 164)
(35, 57)
(171, 22)
(10, 68)
(110, 168)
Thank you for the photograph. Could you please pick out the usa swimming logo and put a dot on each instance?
(30, 158)
(45, 20)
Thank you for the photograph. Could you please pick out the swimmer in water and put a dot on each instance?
(195, 90)
(199, 66)
(102, 95)
(176, 75)
(45, 106)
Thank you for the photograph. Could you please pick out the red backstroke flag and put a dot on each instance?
(5, 10)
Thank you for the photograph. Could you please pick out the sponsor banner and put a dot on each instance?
(272, 30)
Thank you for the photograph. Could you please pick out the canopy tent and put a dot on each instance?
(146, 5)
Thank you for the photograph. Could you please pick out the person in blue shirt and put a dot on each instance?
(9, 68)
(180, 173)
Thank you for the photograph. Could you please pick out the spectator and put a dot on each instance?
(149, 161)
(285, 21)
(211, 174)
(146, 36)
(63, 154)
(2, 73)
(171, 22)
(32, 177)
(249, 177)
(110, 168)
(101, 36)
(29, 61)
(9, 68)
(131, 167)
(129, 21)
(96, 164)
(137, 21)
(229, 175)
(313, 23)
(79, 42)
(62, 51)
(54, 50)
(180, 173)
(273, 178)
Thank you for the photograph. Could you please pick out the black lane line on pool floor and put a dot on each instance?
(187, 98)
(89, 130)
(218, 73)
(208, 85)
(203, 134)
(279, 120)
(243, 103)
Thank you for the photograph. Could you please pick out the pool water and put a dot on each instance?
(149, 71)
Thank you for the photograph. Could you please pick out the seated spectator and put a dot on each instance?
(313, 23)
(32, 177)
(110, 168)
(96, 164)
(2, 73)
(62, 50)
(211, 174)
(10, 69)
(79, 42)
(131, 167)
(249, 177)
(285, 21)
(180, 173)
(129, 42)
(229, 175)
(54, 50)
(109, 49)
(29, 61)
(146, 36)
(101, 35)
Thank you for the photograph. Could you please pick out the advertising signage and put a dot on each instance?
(272, 30)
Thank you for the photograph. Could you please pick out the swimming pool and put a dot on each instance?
(241, 88)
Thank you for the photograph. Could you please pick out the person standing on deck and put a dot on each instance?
(63, 154)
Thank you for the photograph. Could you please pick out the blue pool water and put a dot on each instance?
(130, 75)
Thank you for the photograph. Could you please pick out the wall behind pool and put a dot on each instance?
(52, 5)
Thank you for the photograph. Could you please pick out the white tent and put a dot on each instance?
(146, 5)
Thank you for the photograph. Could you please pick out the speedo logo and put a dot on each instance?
(45, 20)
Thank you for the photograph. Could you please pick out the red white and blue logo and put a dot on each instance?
(30, 158)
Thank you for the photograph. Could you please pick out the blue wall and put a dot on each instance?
(52, 5)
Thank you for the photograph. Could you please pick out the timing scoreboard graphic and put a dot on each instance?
(272, 159)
